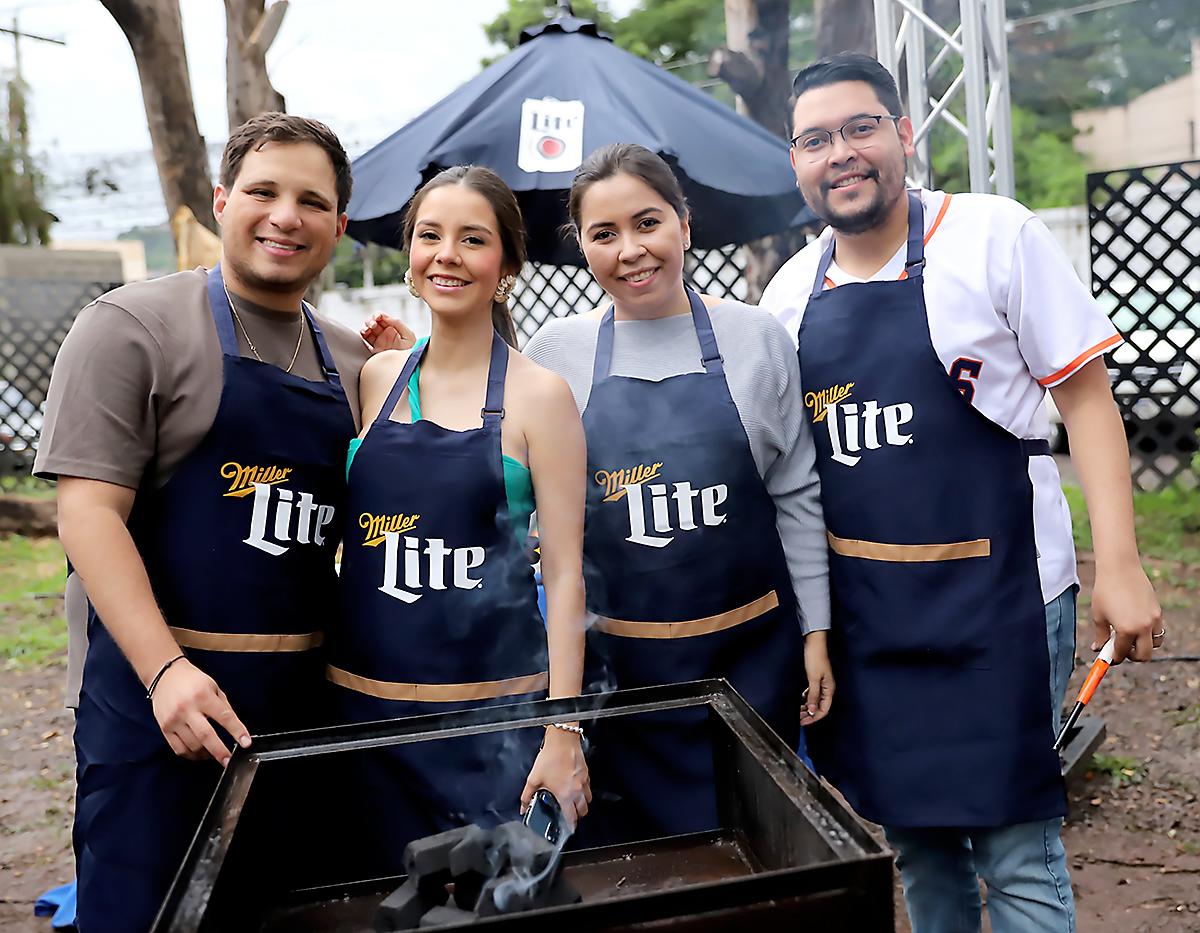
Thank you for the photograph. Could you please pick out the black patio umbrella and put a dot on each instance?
(564, 91)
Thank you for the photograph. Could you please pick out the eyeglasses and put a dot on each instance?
(859, 133)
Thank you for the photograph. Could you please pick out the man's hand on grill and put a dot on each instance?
(561, 768)
(185, 700)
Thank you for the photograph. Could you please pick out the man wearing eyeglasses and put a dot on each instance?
(930, 328)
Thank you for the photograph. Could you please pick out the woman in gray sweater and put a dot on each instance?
(704, 552)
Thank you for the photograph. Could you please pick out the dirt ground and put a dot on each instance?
(1133, 838)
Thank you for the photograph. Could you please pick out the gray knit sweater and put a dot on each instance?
(763, 374)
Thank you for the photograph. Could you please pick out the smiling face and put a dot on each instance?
(456, 257)
(634, 243)
(852, 190)
(279, 222)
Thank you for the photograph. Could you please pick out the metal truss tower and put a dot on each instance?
(975, 101)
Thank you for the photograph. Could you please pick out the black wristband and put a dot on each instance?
(157, 677)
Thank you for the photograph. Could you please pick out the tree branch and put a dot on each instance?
(737, 70)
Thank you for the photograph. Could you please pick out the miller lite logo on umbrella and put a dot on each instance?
(551, 135)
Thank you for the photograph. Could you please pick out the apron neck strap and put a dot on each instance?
(327, 363)
(493, 402)
(914, 257)
(914, 260)
(398, 387)
(222, 315)
(710, 355)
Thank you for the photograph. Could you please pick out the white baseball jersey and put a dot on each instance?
(999, 291)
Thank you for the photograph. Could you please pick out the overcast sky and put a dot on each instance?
(364, 66)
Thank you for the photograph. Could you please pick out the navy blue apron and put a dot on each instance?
(687, 577)
(239, 547)
(439, 613)
(942, 715)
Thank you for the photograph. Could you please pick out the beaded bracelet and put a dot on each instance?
(157, 677)
(577, 730)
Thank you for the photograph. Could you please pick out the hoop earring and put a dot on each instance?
(504, 288)
(412, 289)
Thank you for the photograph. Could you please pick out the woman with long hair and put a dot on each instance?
(462, 435)
(703, 515)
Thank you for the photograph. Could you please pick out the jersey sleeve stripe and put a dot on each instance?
(1085, 357)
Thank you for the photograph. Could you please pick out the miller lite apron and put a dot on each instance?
(938, 644)
(439, 613)
(687, 577)
(239, 547)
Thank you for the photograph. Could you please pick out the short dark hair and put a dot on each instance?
(275, 127)
(483, 181)
(851, 66)
(625, 159)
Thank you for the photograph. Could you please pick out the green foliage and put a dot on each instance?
(1049, 172)
(1189, 716)
(1097, 58)
(159, 246)
(389, 264)
(32, 576)
(1121, 768)
(666, 32)
(1167, 523)
(23, 219)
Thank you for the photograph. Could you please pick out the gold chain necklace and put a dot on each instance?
(250, 343)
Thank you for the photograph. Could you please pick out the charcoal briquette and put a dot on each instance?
(471, 853)
(432, 854)
(402, 909)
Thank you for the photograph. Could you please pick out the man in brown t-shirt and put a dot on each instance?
(197, 425)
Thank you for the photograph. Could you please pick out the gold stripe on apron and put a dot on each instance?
(439, 693)
(706, 626)
(219, 641)
(910, 553)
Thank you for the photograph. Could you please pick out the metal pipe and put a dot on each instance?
(996, 40)
(917, 95)
(973, 69)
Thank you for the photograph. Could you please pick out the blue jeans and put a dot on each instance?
(1024, 866)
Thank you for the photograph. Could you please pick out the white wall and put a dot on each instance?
(352, 306)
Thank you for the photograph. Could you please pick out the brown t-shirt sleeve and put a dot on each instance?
(100, 418)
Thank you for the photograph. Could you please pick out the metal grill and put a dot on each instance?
(35, 316)
(555, 291)
(1144, 226)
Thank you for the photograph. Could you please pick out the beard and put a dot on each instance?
(865, 215)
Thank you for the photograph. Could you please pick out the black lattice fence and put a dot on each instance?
(555, 291)
(35, 316)
(1144, 228)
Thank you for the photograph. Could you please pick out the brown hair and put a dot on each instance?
(275, 127)
(503, 202)
(625, 159)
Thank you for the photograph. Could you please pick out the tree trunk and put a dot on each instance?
(248, 87)
(155, 33)
(845, 26)
(754, 64)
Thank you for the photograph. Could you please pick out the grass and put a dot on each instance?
(1189, 716)
(33, 631)
(1167, 523)
(26, 486)
(1121, 768)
